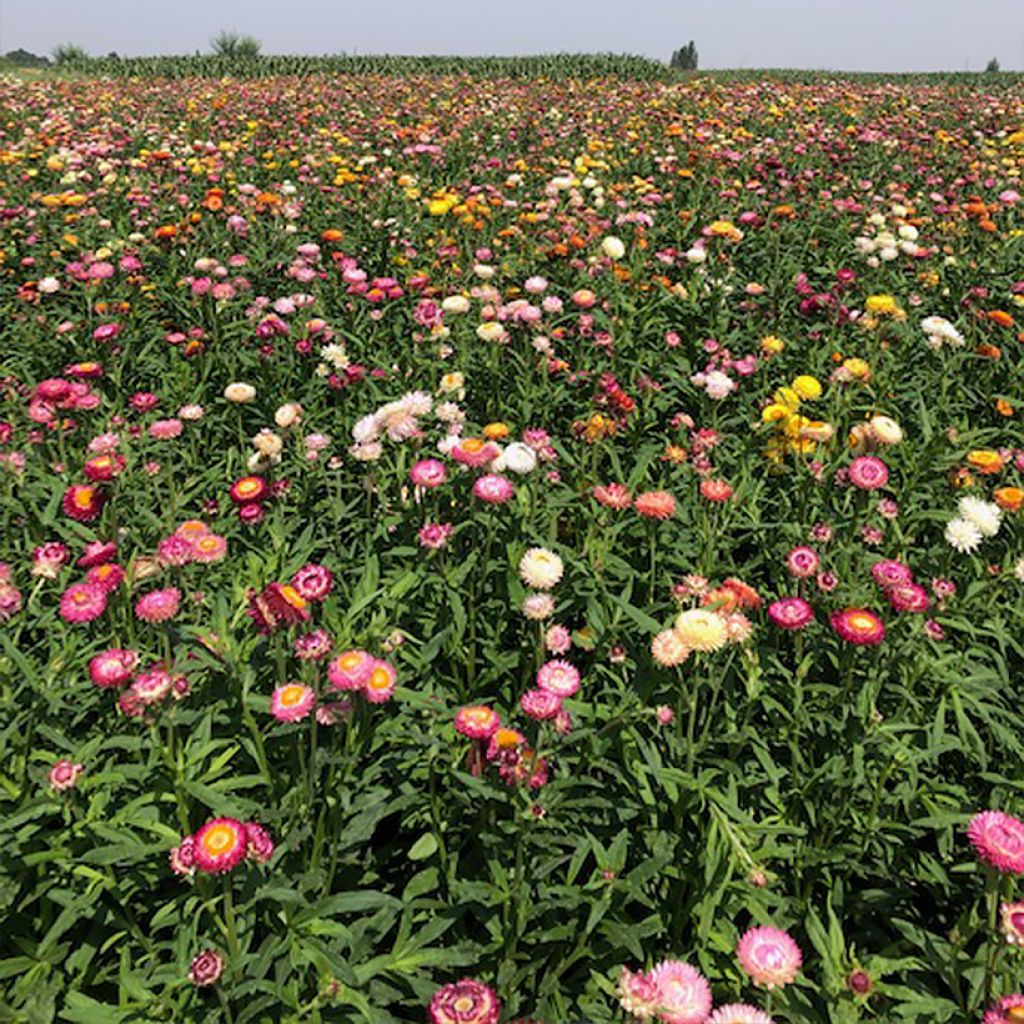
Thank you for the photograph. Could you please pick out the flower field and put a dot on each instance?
(511, 548)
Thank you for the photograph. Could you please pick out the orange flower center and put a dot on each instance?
(220, 839)
(292, 695)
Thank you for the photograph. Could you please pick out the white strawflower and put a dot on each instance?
(962, 535)
(48, 285)
(492, 330)
(267, 443)
(335, 354)
(517, 458)
(417, 403)
(696, 255)
(367, 429)
(240, 393)
(540, 568)
(986, 516)
(455, 304)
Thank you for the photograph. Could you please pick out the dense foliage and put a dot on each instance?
(675, 425)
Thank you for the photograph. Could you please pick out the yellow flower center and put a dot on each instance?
(220, 839)
(292, 695)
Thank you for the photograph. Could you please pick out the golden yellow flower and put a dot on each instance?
(807, 387)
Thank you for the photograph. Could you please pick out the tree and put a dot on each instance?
(25, 59)
(69, 53)
(234, 46)
(992, 66)
(685, 57)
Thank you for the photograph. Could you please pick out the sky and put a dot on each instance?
(852, 35)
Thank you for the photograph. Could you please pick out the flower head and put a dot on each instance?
(858, 626)
(998, 840)
(769, 956)
(701, 630)
(292, 702)
(220, 845)
(684, 995)
(541, 569)
(464, 1002)
(206, 969)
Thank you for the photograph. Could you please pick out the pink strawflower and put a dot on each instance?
(313, 582)
(613, 496)
(175, 550)
(428, 473)
(655, 505)
(206, 969)
(1000, 1011)
(769, 956)
(802, 562)
(684, 995)
(739, 1013)
(638, 994)
(164, 430)
(540, 705)
(313, 646)
(477, 721)
(63, 775)
(49, 559)
(434, 535)
(350, 670)
(158, 605)
(1011, 917)
(183, 857)
(113, 667)
(464, 1002)
(209, 547)
(292, 702)
(493, 488)
(998, 840)
(97, 552)
(791, 613)
(908, 597)
(889, 573)
(868, 473)
(83, 602)
(557, 639)
(558, 677)
(381, 683)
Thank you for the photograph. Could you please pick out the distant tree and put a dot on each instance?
(25, 59)
(992, 66)
(231, 44)
(69, 53)
(685, 57)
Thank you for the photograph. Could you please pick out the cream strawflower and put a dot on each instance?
(518, 458)
(240, 393)
(886, 430)
(962, 535)
(701, 630)
(455, 304)
(540, 568)
(613, 248)
(288, 415)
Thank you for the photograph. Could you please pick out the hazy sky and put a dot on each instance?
(869, 35)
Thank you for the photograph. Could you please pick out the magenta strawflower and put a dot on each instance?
(209, 547)
(1011, 922)
(158, 605)
(83, 602)
(112, 667)
(259, 846)
(791, 613)
(998, 840)
(175, 550)
(220, 845)
(312, 646)
(908, 597)
(858, 626)
(434, 536)
(183, 857)
(769, 956)
(684, 995)
(428, 473)
(464, 1002)
(888, 573)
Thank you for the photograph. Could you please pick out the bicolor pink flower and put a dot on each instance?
(292, 702)
(558, 677)
(113, 667)
(684, 995)
(791, 613)
(350, 670)
(769, 956)
(158, 605)
(83, 602)
(63, 775)
(868, 473)
(998, 840)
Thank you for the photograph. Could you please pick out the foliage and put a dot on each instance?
(234, 47)
(685, 58)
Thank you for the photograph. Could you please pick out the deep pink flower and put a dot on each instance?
(791, 613)
(998, 840)
(769, 956)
